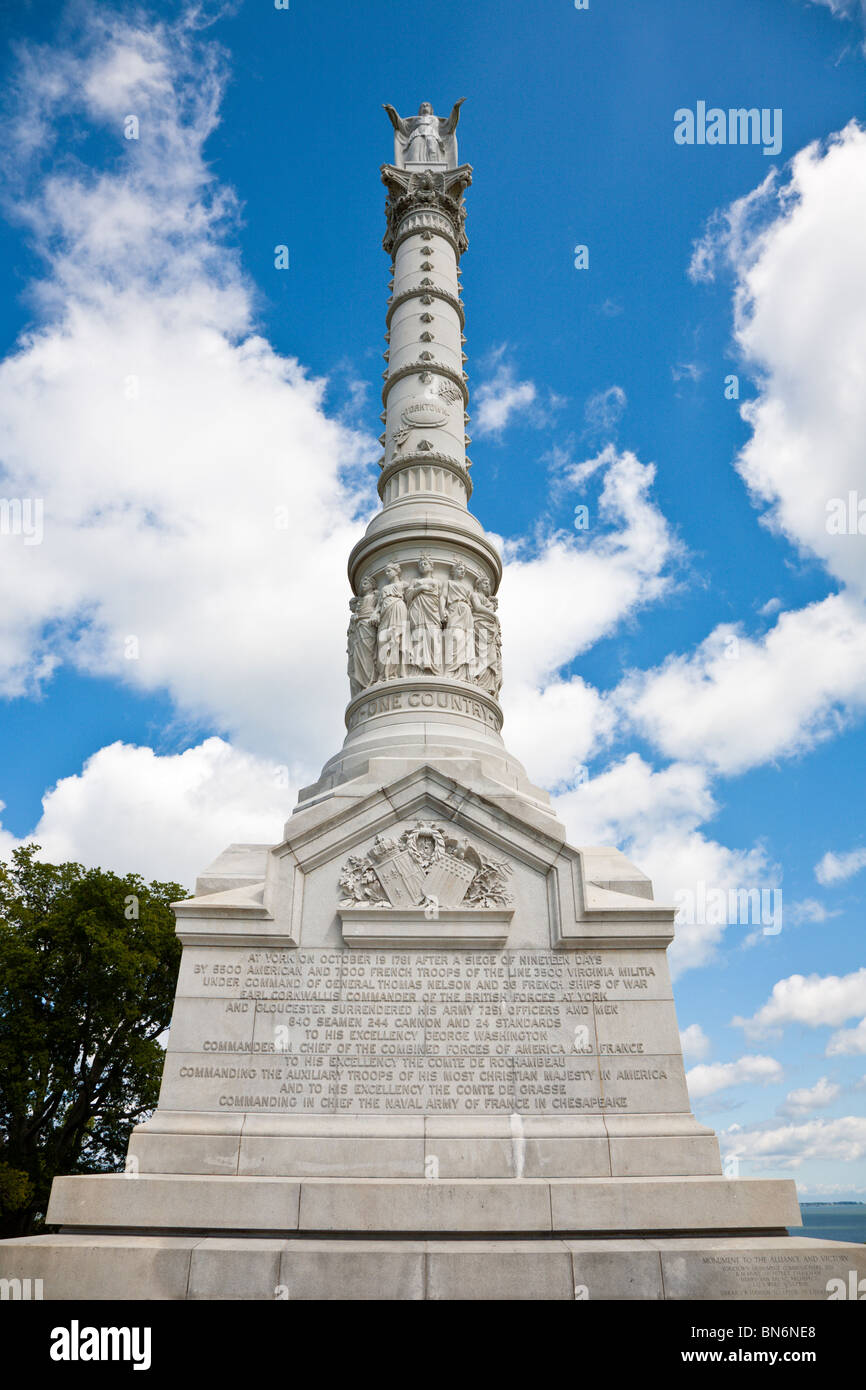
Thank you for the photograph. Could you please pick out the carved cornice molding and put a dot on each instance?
(434, 531)
(417, 222)
(426, 293)
(414, 460)
(415, 368)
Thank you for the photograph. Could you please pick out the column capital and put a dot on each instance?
(412, 195)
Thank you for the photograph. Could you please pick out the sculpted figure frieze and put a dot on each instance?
(488, 638)
(459, 623)
(362, 637)
(425, 621)
(423, 626)
(393, 646)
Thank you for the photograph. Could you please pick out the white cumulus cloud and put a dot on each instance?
(165, 817)
(737, 702)
(812, 1000)
(833, 868)
(848, 1042)
(708, 1078)
(197, 511)
(694, 1041)
(496, 400)
(788, 1145)
(804, 1099)
(805, 346)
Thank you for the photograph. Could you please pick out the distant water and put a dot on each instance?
(833, 1221)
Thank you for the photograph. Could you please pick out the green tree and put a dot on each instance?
(88, 964)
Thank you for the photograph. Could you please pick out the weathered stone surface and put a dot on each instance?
(236, 1269)
(423, 1204)
(361, 1271)
(152, 1201)
(507, 1270)
(274, 1155)
(104, 1268)
(624, 1270)
(670, 1204)
(86, 1267)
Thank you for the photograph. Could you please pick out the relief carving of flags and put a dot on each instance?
(401, 879)
(448, 880)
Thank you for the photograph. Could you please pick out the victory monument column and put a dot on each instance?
(422, 1047)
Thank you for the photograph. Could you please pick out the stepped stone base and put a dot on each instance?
(182, 1236)
(412, 1206)
(135, 1267)
(363, 1146)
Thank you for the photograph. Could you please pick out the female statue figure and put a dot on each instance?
(456, 609)
(362, 637)
(487, 670)
(425, 621)
(393, 653)
(425, 138)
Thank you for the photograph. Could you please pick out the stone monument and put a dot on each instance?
(423, 1047)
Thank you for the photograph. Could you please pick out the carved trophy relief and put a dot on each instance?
(449, 391)
(427, 866)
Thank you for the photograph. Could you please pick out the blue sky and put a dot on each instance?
(688, 675)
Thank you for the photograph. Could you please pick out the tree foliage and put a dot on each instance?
(88, 964)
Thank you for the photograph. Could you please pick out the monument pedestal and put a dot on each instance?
(361, 1101)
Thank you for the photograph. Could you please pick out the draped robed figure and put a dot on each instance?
(456, 608)
(362, 637)
(393, 646)
(487, 668)
(425, 621)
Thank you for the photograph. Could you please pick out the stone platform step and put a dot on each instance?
(415, 1206)
(364, 1146)
(175, 1267)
